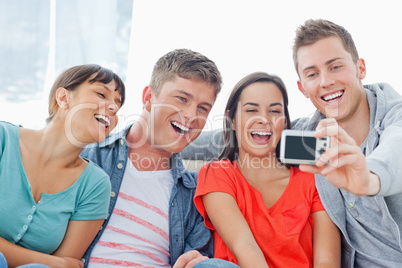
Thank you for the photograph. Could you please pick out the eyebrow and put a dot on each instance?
(256, 104)
(328, 62)
(104, 86)
(190, 96)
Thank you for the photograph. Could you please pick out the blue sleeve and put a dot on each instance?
(385, 161)
(2, 140)
(200, 237)
(5, 131)
(93, 203)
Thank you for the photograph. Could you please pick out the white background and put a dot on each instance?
(242, 37)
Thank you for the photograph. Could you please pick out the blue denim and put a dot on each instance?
(216, 263)
(187, 230)
(3, 264)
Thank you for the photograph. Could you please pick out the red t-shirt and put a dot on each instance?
(284, 232)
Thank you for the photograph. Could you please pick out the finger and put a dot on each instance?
(336, 132)
(180, 263)
(344, 137)
(185, 258)
(326, 122)
(323, 125)
(342, 149)
(310, 168)
(356, 162)
(193, 262)
(329, 130)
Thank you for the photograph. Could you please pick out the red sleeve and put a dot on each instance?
(217, 176)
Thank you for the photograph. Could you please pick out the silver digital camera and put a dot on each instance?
(301, 147)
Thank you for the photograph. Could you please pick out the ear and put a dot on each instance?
(146, 98)
(299, 85)
(63, 98)
(361, 65)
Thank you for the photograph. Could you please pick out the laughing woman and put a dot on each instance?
(53, 201)
(261, 211)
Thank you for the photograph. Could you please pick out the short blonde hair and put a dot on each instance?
(316, 30)
(187, 64)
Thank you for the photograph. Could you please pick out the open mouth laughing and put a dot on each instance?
(261, 136)
(103, 120)
(333, 96)
(179, 128)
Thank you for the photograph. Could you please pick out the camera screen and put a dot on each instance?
(300, 147)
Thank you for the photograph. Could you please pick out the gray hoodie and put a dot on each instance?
(371, 226)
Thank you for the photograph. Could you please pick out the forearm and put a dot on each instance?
(233, 228)
(17, 255)
(249, 255)
(326, 241)
(385, 161)
(388, 174)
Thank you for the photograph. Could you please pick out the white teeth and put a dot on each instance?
(103, 119)
(333, 96)
(261, 133)
(180, 126)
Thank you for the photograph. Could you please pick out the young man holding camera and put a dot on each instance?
(359, 178)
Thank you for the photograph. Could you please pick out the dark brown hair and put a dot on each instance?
(71, 78)
(231, 146)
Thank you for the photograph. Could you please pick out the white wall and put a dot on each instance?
(247, 36)
(243, 37)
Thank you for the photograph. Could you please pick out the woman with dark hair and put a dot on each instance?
(54, 202)
(260, 210)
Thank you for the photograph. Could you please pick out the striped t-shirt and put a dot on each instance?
(137, 234)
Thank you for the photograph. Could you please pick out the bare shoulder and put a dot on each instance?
(28, 136)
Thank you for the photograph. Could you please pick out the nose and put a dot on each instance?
(113, 107)
(262, 120)
(326, 80)
(190, 112)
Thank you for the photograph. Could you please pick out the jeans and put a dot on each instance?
(216, 263)
(3, 264)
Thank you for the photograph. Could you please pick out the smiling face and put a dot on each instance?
(92, 109)
(331, 79)
(178, 113)
(259, 119)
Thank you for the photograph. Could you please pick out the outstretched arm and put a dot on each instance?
(343, 164)
(326, 241)
(228, 220)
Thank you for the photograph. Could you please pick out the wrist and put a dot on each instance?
(374, 185)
